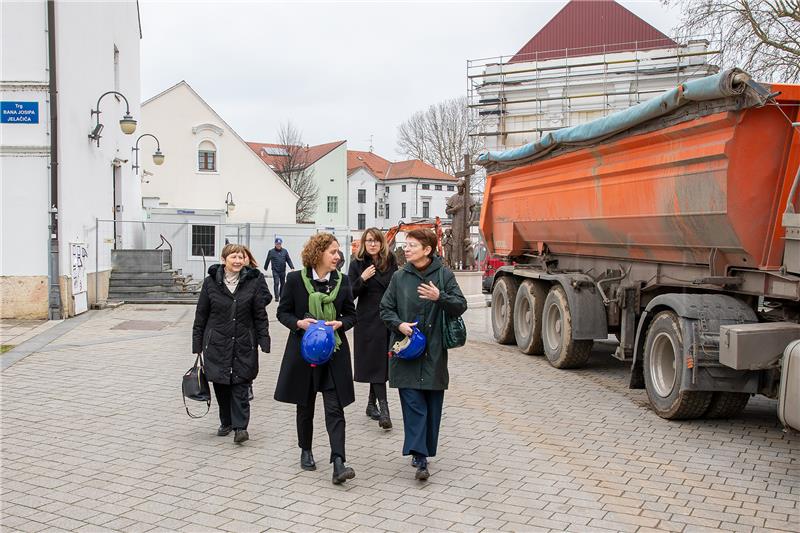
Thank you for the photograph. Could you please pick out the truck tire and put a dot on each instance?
(561, 349)
(663, 371)
(727, 404)
(503, 296)
(528, 309)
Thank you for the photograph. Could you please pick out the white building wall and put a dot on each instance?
(362, 179)
(330, 173)
(414, 196)
(24, 159)
(89, 176)
(85, 70)
(182, 121)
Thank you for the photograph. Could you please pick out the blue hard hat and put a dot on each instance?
(317, 344)
(410, 347)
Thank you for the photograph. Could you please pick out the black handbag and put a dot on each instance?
(454, 331)
(195, 387)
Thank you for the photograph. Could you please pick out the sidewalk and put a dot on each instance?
(95, 438)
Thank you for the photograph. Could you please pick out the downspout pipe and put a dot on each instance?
(54, 293)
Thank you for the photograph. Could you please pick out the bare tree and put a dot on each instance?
(292, 166)
(439, 135)
(760, 36)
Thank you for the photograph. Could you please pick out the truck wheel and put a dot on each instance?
(663, 371)
(528, 309)
(727, 404)
(559, 347)
(503, 296)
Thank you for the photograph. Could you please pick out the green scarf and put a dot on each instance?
(320, 305)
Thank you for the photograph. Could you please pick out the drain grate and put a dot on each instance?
(141, 325)
(149, 309)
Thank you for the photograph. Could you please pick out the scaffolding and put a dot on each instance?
(515, 101)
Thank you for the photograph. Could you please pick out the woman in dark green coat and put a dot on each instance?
(417, 295)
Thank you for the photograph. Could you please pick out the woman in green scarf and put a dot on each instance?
(318, 291)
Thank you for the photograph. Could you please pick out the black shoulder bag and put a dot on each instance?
(195, 387)
(454, 331)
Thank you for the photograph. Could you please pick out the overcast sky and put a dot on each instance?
(337, 70)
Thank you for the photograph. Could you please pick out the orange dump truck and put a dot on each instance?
(671, 225)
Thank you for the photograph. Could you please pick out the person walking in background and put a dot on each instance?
(230, 324)
(416, 293)
(250, 261)
(278, 257)
(318, 292)
(370, 272)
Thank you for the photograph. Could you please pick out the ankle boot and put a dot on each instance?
(384, 420)
(341, 473)
(307, 460)
(372, 409)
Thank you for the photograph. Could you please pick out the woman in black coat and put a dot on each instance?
(370, 273)
(229, 324)
(299, 382)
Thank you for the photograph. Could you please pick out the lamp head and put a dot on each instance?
(127, 124)
(158, 157)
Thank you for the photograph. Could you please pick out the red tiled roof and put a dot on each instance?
(311, 154)
(589, 27)
(384, 169)
(372, 162)
(416, 169)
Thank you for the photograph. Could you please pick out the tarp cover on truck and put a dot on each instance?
(732, 85)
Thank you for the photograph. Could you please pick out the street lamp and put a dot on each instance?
(127, 123)
(229, 205)
(158, 157)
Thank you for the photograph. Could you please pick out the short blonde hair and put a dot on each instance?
(315, 247)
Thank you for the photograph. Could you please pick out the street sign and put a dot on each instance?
(19, 112)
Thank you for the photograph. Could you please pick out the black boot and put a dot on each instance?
(307, 460)
(341, 473)
(372, 408)
(384, 421)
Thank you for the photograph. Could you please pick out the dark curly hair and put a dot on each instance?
(315, 247)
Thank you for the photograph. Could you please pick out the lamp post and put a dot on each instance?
(158, 157)
(127, 123)
(229, 205)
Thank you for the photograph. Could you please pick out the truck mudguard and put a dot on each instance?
(585, 303)
(710, 308)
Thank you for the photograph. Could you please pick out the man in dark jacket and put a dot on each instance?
(278, 257)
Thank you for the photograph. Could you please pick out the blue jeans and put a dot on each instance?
(422, 416)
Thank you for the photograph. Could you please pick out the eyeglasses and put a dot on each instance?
(370, 241)
(412, 245)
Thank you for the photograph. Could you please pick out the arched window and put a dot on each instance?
(207, 157)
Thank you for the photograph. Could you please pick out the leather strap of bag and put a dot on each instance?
(198, 363)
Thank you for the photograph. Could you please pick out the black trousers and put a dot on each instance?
(379, 390)
(278, 281)
(334, 422)
(422, 416)
(234, 405)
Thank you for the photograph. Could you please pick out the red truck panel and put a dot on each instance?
(673, 195)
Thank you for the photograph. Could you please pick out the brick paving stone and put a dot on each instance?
(531, 449)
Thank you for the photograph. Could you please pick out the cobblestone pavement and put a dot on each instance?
(95, 438)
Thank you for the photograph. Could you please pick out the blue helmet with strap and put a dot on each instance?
(317, 344)
(410, 347)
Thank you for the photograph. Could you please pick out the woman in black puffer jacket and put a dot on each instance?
(229, 325)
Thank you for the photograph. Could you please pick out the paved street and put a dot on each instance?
(95, 438)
